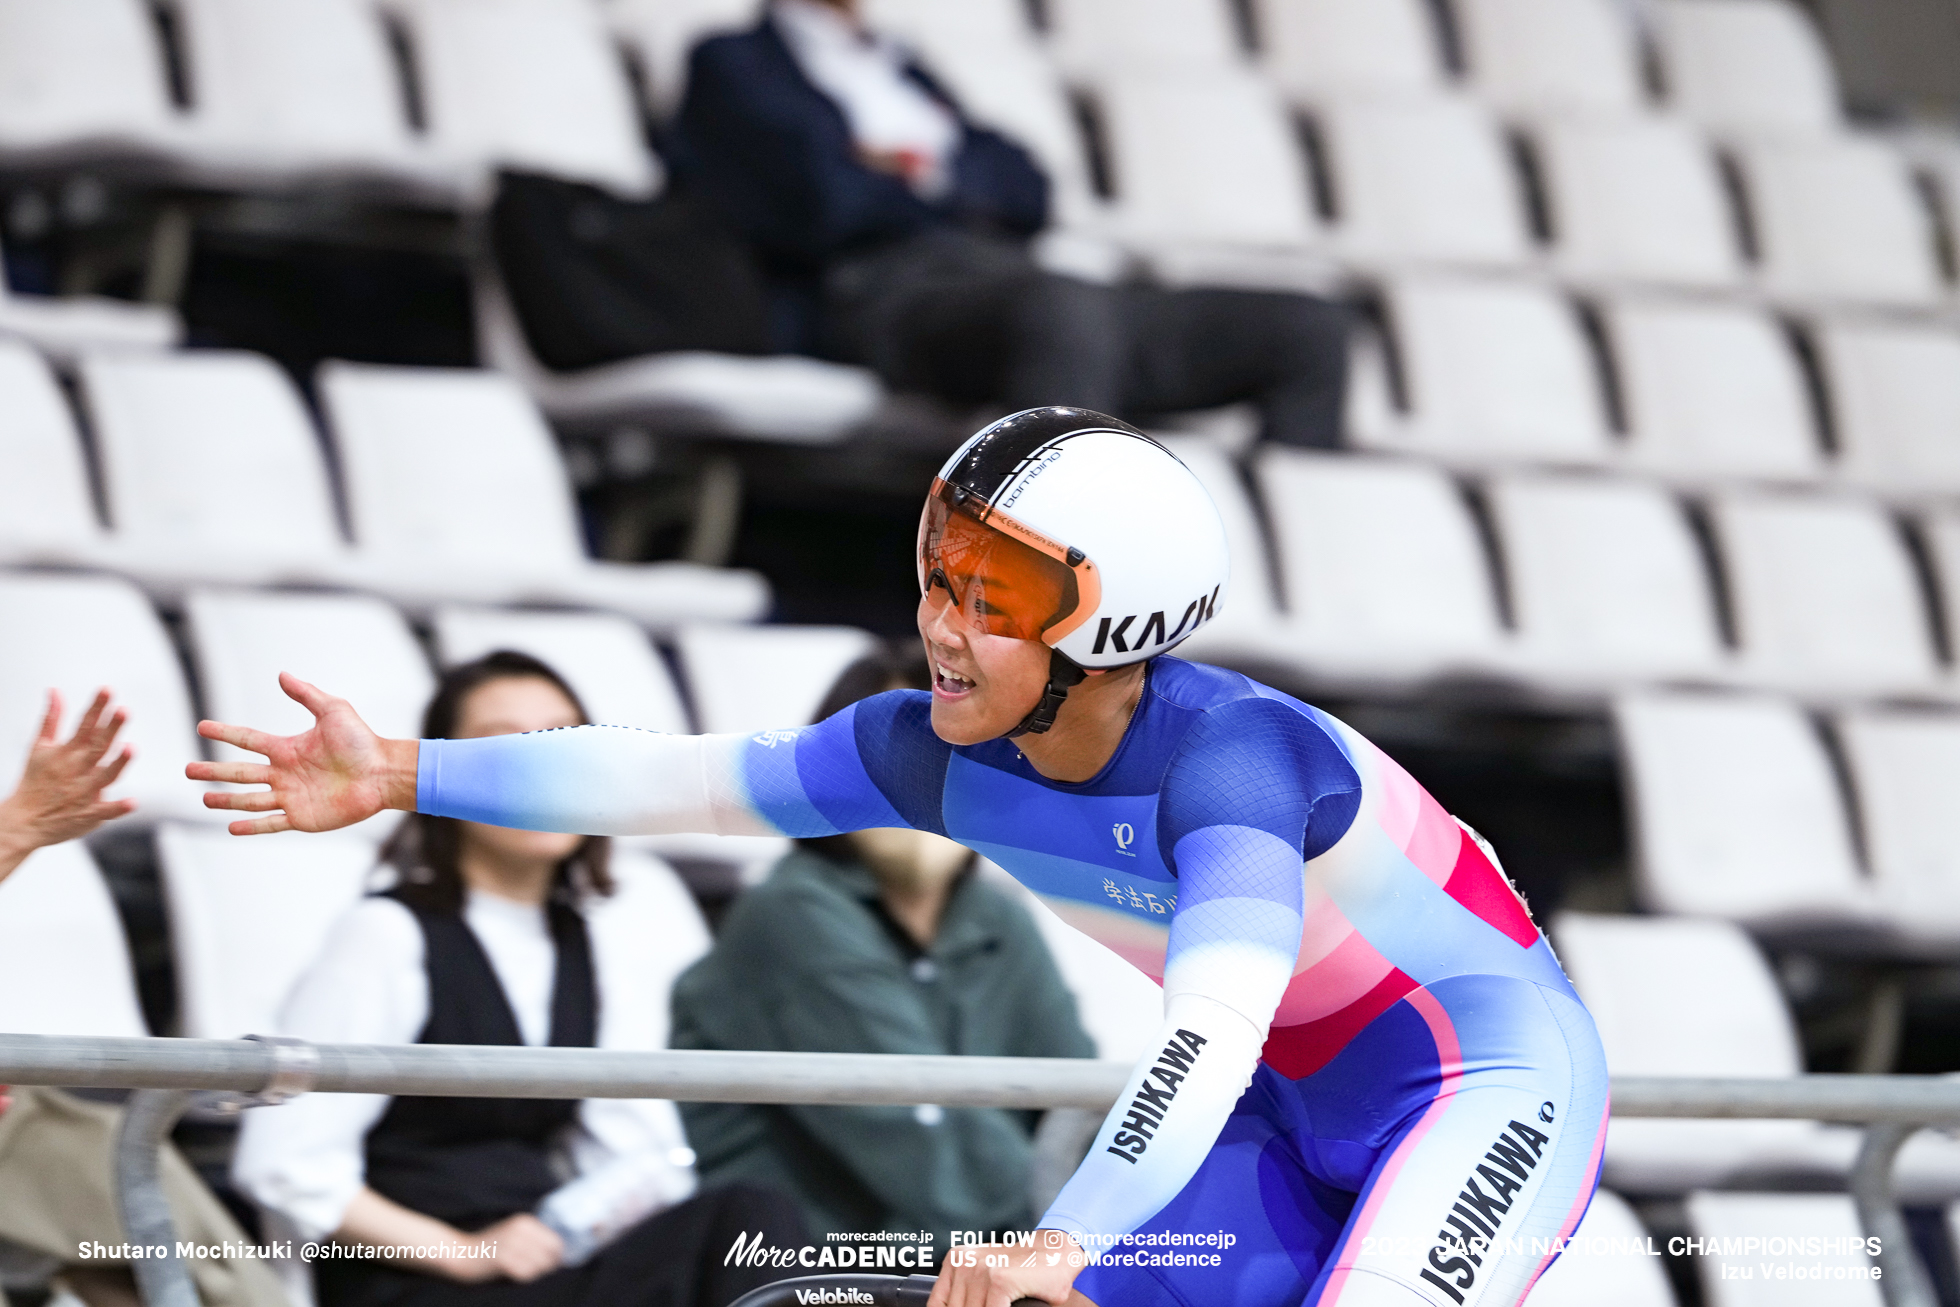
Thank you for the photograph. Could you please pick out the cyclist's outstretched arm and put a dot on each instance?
(589, 780)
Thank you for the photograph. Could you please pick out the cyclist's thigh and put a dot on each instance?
(1253, 1192)
(1507, 1152)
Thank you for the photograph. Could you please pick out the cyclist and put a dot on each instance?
(1373, 1083)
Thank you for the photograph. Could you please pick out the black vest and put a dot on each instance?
(473, 1161)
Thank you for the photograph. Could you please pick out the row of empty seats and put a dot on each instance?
(1477, 370)
(212, 469)
(1367, 569)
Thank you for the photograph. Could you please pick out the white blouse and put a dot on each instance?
(305, 1158)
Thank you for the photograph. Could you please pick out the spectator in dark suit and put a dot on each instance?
(896, 232)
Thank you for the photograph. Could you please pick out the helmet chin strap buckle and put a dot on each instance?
(1064, 674)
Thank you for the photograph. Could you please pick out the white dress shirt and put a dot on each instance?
(305, 1158)
(864, 74)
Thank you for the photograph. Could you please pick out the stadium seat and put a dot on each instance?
(352, 646)
(1205, 160)
(786, 398)
(1313, 47)
(1102, 35)
(1493, 371)
(1894, 393)
(1384, 575)
(1638, 199)
(66, 325)
(536, 85)
(1823, 595)
(1939, 532)
(247, 917)
(211, 470)
(47, 510)
(1710, 390)
(64, 959)
(607, 660)
(82, 81)
(1606, 1263)
(1904, 772)
(1248, 617)
(1422, 179)
(1745, 66)
(650, 914)
(1839, 221)
(1537, 56)
(1737, 813)
(764, 678)
(1675, 996)
(662, 33)
(1606, 581)
(78, 634)
(457, 493)
(305, 90)
(1830, 1278)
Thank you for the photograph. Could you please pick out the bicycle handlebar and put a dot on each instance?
(850, 1291)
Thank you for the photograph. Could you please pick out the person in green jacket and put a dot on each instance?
(880, 941)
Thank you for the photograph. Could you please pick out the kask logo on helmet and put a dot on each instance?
(1113, 632)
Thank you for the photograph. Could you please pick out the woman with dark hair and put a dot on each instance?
(499, 936)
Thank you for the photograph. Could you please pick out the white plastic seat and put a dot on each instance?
(1605, 579)
(1838, 220)
(64, 959)
(1940, 534)
(650, 915)
(1551, 55)
(47, 511)
(1894, 392)
(764, 678)
(70, 324)
(456, 492)
(1312, 47)
(1823, 595)
(607, 660)
(1736, 811)
(1710, 390)
(1422, 179)
(1248, 617)
(77, 634)
(1905, 770)
(1675, 996)
(352, 646)
(1205, 158)
(82, 80)
(247, 918)
(1606, 1263)
(785, 399)
(1101, 35)
(1745, 65)
(211, 469)
(1827, 1221)
(1637, 198)
(1384, 573)
(529, 84)
(304, 90)
(663, 33)
(1493, 371)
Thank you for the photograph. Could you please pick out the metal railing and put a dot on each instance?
(165, 1072)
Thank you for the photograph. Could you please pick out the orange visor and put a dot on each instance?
(1006, 578)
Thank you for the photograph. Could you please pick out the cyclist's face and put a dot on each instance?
(982, 685)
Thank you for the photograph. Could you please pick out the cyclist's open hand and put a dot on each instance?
(334, 775)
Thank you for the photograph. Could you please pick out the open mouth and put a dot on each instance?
(949, 683)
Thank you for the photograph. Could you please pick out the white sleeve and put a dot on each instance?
(643, 937)
(305, 1158)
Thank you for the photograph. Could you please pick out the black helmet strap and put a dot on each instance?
(1064, 674)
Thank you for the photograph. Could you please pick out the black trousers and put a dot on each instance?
(672, 1259)
(975, 321)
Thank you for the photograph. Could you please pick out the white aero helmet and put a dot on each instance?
(1075, 529)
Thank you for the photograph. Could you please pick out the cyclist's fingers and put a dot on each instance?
(237, 773)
